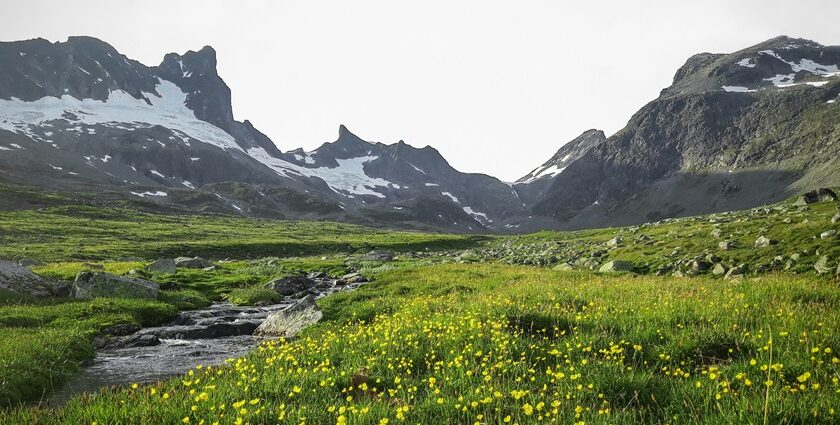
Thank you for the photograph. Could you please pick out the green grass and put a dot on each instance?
(67, 233)
(43, 342)
(449, 343)
(252, 296)
(484, 342)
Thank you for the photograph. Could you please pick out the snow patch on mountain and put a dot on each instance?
(348, 177)
(120, 110)
(145, 194)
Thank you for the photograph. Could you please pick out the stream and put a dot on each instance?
(207, 337)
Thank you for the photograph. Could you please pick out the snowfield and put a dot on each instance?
(120, 110)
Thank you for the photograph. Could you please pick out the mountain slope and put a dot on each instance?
(732, 131)
(78, 115)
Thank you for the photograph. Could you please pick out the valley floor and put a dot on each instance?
(455, 329)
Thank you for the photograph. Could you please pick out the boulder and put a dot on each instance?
(163, 266)
(130, 341)
(822, 265)
(20, 280)
(616, 266)
(99, 284)
(764, 241)
(564, 266)
(291, 285)
(718, 270)
(317, 275)
(836, 218)
(814, 196)
(288, 322)
(727, 245)
(736, 272)
(614, 242)
(192, 263)
(352, 278)
(828, 234)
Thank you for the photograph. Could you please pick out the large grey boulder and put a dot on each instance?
(20, 280)
(616, 266)
(822, 265)
(192, 263)
(351, 278)
(814, 196)
(727, 245)
(98, 285)
(291, 285)
(288, 322)
(614, 242)
(163, 266)
(764, 241)
(718, 270)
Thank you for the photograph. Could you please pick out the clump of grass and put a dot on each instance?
(184, 299)
(253, 296)
(42, 342)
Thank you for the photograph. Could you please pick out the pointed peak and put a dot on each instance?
(343, 131)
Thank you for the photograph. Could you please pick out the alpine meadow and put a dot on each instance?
(163, 261)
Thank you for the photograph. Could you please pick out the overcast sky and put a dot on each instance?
(496, 86)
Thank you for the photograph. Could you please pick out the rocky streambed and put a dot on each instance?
(127, 354)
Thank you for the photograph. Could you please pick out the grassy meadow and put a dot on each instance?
(494, 343)
(457, 329)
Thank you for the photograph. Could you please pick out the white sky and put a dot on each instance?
(496, 86)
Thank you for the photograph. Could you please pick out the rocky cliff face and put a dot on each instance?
(733, 131)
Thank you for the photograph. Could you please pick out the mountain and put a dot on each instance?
(533, 185)
(79, 116)
(733, 131)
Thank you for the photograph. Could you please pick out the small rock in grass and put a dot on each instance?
(162, 266)
(616, 266)
(764, 241)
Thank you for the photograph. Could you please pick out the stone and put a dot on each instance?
(614, 242)
(130, 341)
(828, 234)
(192, 263)
(836, 218)
(162, 266)
(716, 233)
(764, 241)
(718, 270)
(822, 265)
(712, 258)
(288, 322)
(290, 285)
(814, 196)
(20, 280)
(122, 329)
(564, 267)
(99, 284)
(316, 275)
(616, 266)
(352, 278)
(698, 266)
(727, 245)
(736, 272)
